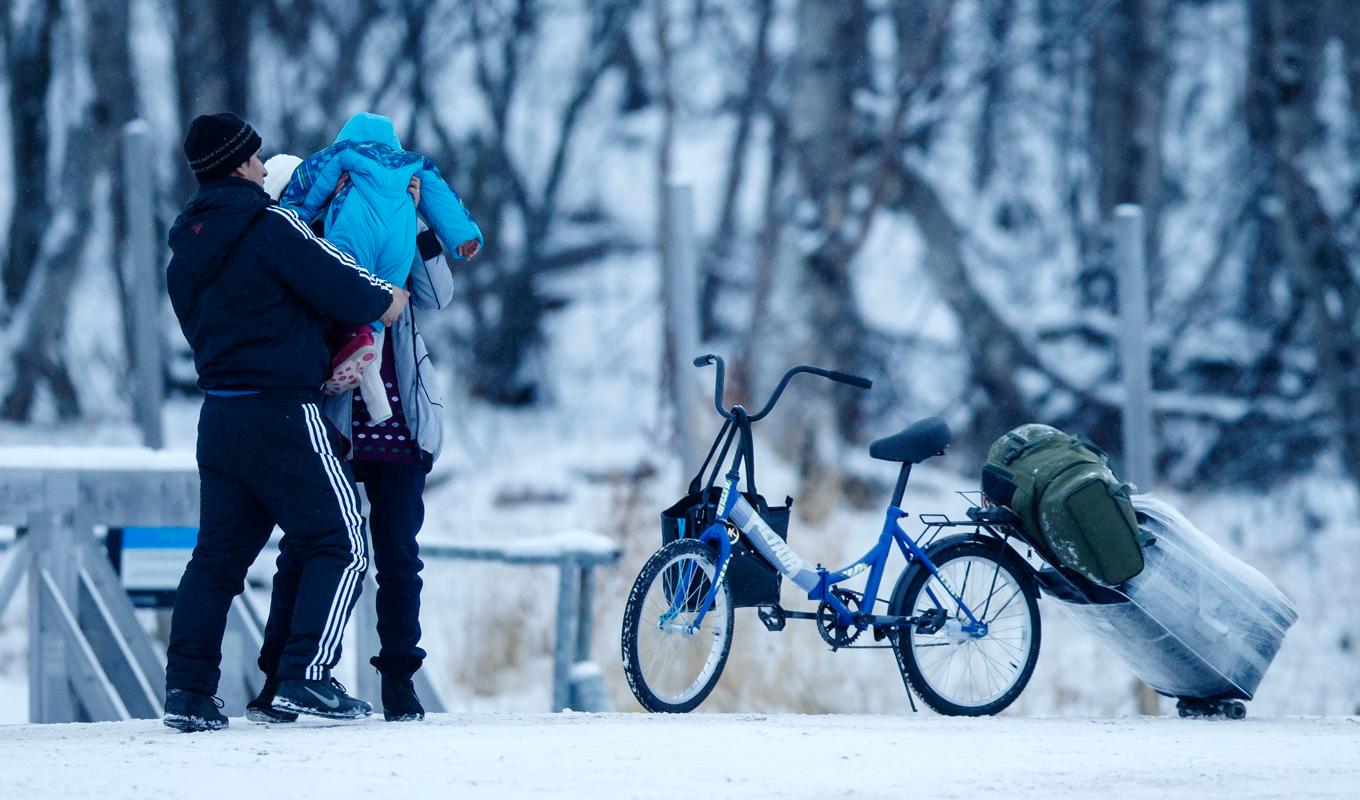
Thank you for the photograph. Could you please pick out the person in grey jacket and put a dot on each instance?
(391, 459)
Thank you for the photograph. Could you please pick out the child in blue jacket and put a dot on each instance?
(370, 215)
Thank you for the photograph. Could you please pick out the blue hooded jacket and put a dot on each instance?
(373, 218)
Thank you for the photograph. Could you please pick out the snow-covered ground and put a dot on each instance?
(702, 755)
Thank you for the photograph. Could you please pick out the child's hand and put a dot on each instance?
(469, 248)
(413, 189)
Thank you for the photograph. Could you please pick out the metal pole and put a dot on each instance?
(583, 618)
(1135, 365)
(682, 315)
(144, 278)
(1134, 358)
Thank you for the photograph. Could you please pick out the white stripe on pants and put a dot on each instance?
(334, 628)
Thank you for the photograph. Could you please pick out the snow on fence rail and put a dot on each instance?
(89, 657)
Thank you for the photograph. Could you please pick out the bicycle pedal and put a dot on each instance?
(773, 618)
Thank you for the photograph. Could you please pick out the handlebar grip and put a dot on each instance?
(704, 360)
(853, 380)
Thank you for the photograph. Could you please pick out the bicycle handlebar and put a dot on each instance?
(839, 377)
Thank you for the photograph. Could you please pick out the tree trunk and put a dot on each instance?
(115, 104)
(28, 55)
(822, 139)
(1129, 74)
(40, 319)
(212, 62)
(1286, 63)
(717, 262)
(995, 352)
(999, 19)
(827, 72)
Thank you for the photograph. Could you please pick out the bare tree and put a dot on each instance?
(504, 296)
(90, 130)
(1285, 65)
(28, 63)
(1128, 76)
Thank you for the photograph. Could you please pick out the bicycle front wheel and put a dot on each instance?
(955, 668)
(671, 662)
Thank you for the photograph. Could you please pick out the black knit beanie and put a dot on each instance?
(219, 143)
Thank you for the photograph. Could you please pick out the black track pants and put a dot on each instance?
(266, 460)
(395, 516)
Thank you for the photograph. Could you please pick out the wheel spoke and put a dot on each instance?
(675, 663)
(992, 663)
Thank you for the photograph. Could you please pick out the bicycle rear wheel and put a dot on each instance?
(671, 664)
(955, 671)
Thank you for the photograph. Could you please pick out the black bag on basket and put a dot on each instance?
(753, 581)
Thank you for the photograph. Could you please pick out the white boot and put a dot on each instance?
(371, 385)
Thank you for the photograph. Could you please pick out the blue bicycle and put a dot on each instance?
(962, 619)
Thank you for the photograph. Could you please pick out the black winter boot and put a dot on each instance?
(400, 703)
(320, 698)
(191, 712)
(261, 709)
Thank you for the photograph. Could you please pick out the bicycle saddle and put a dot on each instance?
(916, 443)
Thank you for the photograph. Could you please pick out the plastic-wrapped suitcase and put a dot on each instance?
(1197, 623)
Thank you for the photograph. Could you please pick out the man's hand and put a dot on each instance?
(399, 298)
(469, 248)
(413, 189)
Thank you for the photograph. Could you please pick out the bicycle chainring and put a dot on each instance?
(828, 624)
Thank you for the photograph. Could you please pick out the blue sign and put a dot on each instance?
(151, 561)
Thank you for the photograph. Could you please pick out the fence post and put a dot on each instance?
(587, 682)
(49, 694)
(1135, 366)
(682, 316)
(564, 648)
(144, 279)
(583, 615)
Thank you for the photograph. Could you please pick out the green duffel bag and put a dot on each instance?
(1070, 504)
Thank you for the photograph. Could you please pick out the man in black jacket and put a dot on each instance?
(254, 290)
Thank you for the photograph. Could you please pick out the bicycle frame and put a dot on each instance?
(875, 562)
(818, 581)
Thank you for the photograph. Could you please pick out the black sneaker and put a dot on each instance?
(400, 703)
(191, 712)
(261, 709)
(320, 698)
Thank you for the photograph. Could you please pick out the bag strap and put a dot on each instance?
(747, 452)
(723, 440)
(1086, 441)
(1025, 446)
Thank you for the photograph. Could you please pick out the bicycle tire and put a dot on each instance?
(908, 642)
(644, 682)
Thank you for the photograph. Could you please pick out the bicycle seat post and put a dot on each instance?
(901, 484)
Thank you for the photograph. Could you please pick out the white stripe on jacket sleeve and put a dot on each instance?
(332, 250)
